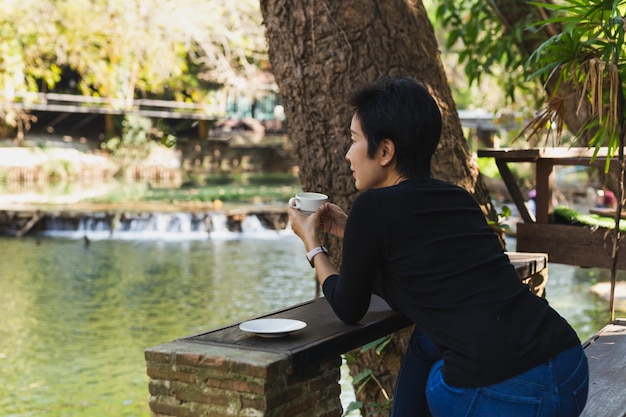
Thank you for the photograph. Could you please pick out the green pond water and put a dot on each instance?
(77, 318)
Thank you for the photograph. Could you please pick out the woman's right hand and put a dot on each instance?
(333, 219)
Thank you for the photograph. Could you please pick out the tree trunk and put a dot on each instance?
(320, 51)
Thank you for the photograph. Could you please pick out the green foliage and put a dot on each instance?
(378, 345)
(228, 191)
(353, 406)
(567, 215)
(276, 178)
(503, 215)
(28, 33)
(135, 141)
(367, 376)
(488, 167)
(215, 180)
(124, 49)
(590, 52)
(484, 46)
(362, 378)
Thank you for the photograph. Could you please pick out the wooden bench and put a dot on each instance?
(606, 352)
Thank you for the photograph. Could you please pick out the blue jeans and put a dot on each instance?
(409, 397)
(556, 388)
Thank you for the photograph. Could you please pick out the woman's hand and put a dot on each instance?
(306, 227)
(333, 219)
(329, 218)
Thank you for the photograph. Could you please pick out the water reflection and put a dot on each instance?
(77, 319)
(569, 292)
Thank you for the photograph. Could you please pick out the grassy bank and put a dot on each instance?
(228, 189)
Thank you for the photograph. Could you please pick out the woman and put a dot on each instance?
(483, 344)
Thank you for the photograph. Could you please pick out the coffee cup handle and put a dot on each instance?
(294, 202)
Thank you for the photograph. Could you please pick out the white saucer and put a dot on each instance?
(272, 327)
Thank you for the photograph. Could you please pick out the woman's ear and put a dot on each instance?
(388, 152)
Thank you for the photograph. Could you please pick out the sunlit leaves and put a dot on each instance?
(378, 345)
(483, 45)
(589, 52)
(125, 48)
(27, 35)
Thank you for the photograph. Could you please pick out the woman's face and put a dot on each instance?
(368, 172)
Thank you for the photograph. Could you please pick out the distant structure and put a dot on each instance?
(72, 113)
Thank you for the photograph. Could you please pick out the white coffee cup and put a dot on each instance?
(308, 202)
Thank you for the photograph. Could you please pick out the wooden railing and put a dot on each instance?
(74, 103)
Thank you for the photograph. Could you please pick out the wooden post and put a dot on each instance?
(203, 129)
(109, 125)
(544, 179)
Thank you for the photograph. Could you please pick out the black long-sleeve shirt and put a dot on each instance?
(425, 246)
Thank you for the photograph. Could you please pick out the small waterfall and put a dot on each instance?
(162, 226)
(251, 226)
(218, 228)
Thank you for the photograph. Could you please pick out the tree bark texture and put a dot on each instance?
(322, 50)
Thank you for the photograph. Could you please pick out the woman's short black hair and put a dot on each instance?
(403, 111)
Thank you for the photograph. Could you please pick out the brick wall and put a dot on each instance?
(197, 380)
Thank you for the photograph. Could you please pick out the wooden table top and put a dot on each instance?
(325, 335)
(561, 155)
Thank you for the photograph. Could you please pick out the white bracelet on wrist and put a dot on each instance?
(313, 252)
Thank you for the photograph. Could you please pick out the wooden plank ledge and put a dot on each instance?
(575, 155)
(325, 335)
(606, 352)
